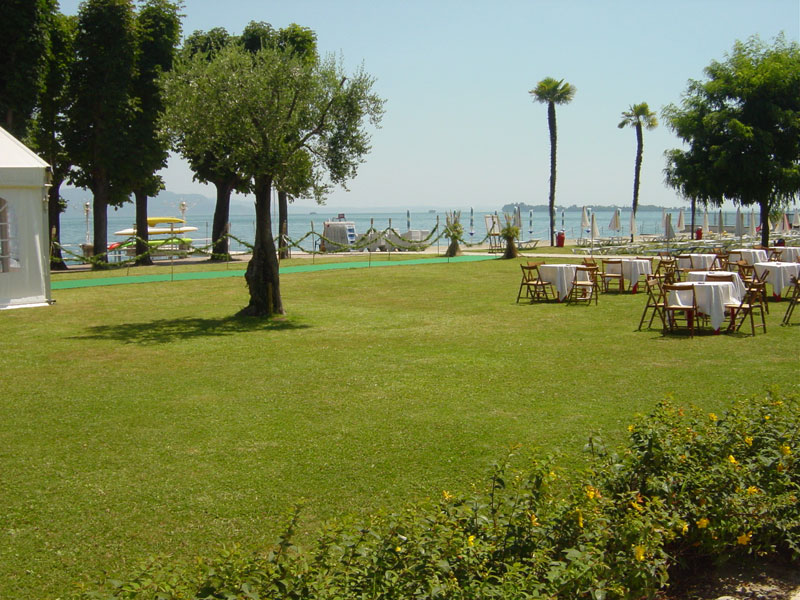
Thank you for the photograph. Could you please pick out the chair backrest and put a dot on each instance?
(775, 254)
(585, 273)
(589, 261)
(721, 277)
(760, 278)
(529, 272)
(669, 287)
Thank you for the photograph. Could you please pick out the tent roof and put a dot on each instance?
(19, 165)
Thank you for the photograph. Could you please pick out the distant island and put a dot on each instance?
(510, 208)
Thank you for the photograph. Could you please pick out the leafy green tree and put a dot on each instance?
(742, 128)
(46, 133)
(100, 116)
(299, 42)
(209, 164)
(158, 28)
(551, 91)
(277, 116)
(24, 41)
(638, 116)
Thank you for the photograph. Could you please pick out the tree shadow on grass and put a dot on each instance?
(165, 331)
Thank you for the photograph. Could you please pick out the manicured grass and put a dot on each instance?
(145, 419)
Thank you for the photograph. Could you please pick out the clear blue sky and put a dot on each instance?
(460, 128)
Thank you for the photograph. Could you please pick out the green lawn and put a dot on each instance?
(146, 419)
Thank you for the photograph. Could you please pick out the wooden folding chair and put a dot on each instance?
(722, 261)
(794, 299)
(721, 277)
(745, 271)
(759, 285)
(674, 309)
(775, 254)
(741, 310)
(655, 301)
(666, 270)
(606, 278)
(584, 285)
(535, 288)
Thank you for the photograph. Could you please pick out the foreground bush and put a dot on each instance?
(690, 486)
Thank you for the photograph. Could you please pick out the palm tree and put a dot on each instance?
(551, 92)
(637, 116)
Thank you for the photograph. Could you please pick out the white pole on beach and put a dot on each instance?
(408, 220)
(471, 224)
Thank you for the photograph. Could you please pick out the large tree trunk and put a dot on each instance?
(142, 236)
(764, 205)
(219, 251)
(551, 122)
(283, 224)
(262, 274)
(101, 195)
(54, 219)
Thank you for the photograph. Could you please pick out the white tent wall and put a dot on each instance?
(24, 241)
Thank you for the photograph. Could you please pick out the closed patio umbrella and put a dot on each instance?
(633, 226)
(615, 225)
(681, 222)
(796, 220)
(739, 223)
(751, 229)
(594, 231)
(585, 220)
(706, 227)
(720, 223)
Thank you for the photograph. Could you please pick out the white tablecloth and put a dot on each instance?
(696, 261)
(711, 298)
(560, 276)
(749, 255)
(780, 274)
(701, 276)
(789, 254)
(632, 269)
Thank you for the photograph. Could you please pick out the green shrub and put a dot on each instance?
(689, 486)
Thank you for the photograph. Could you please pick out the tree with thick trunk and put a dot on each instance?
(281, 119)
(100, 116)
(742, 128)
(46, 133)
(550, 91)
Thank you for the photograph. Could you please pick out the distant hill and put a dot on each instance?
(165, 204)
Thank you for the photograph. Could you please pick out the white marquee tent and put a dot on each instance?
(24, 240)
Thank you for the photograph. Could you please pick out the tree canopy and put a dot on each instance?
(272, 114)
(742, 128)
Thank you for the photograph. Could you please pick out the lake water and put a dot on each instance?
(649, 221)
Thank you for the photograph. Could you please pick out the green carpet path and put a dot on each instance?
(123, 280)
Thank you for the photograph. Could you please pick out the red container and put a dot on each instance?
(560, 239)
(698, 235)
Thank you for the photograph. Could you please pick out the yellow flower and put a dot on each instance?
(748, 440)
(592, 492)
(637, 506)
(712, 416)
(447, 495)
(638, 552)
(732, 460)
(744, 539)
(767, 417)
(752, 490)
(552, 474)
(702, 523)
(630, 428)
(580, 519)
(685, 528)
(785, 449)
(471, 540)
(534, 520)
(398, 549)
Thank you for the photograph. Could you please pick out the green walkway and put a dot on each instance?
(123, 280)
